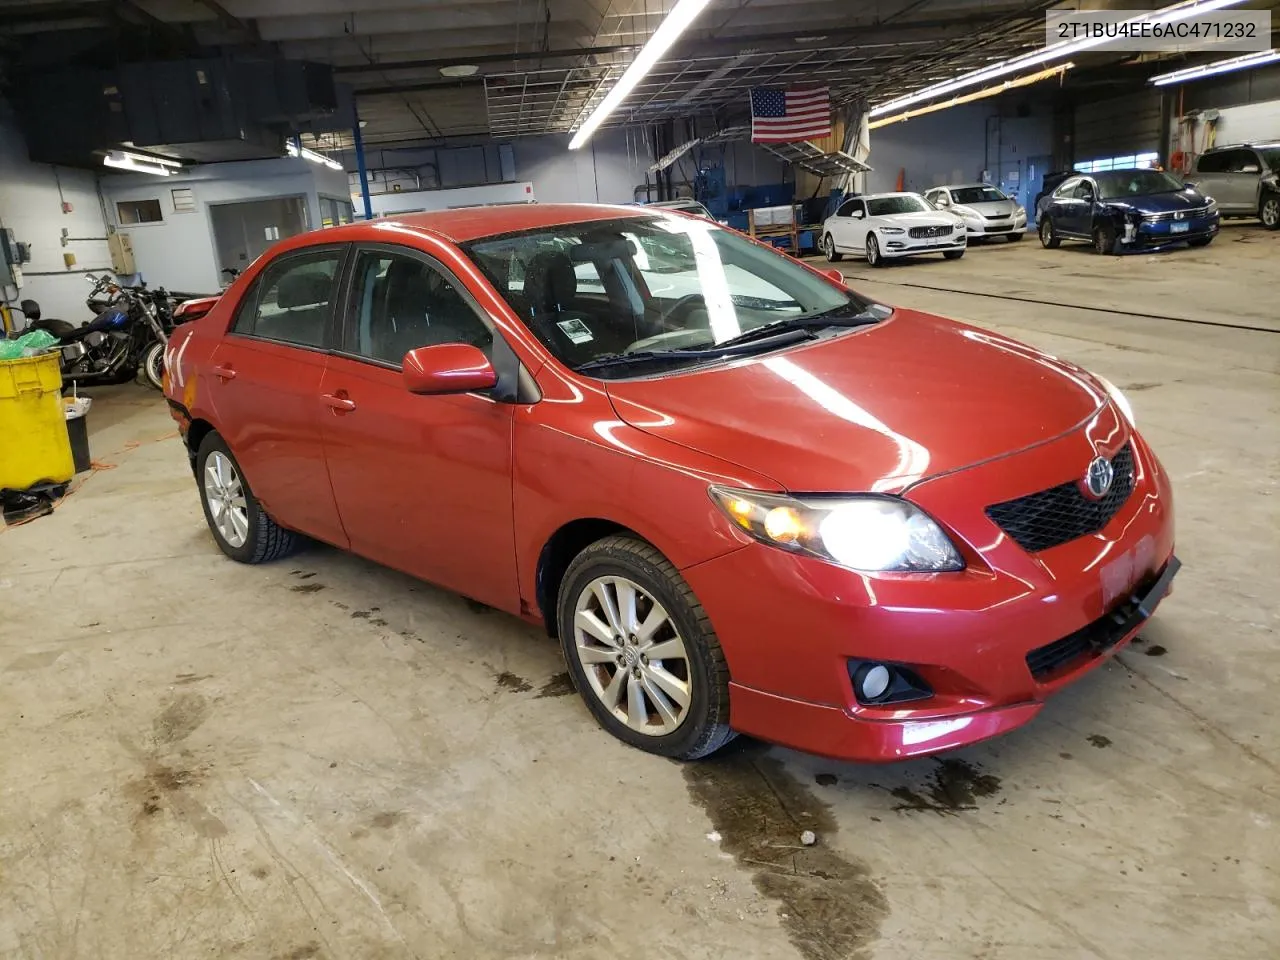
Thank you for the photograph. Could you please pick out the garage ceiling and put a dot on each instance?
(542, 64)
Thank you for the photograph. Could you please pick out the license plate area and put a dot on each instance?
(1179, 227)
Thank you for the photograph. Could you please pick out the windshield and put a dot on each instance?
(1271, 156)
(650, 283)
(977, 195)
(887, 206)
(1114, 184)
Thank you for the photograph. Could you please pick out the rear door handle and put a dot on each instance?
(224, 372)
(339, 404)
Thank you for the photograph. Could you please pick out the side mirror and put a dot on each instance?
(943, 200)
(834, 275)
(447, 368)
(30, 309)
(857, 214)
(1249, 168)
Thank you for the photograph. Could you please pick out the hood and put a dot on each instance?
(993, 208)
(874, 409)
(920, 218)
(1159, 202)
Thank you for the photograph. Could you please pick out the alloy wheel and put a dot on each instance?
(1046, 232)
(829, 247)
(632, 655)
(224, 493)
(1270, 213)
(873, 250)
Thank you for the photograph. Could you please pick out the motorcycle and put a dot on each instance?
(129, 332)
(194, 309)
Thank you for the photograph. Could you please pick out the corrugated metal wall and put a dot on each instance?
(1117, 127)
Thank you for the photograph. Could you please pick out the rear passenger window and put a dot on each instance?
(290, 302)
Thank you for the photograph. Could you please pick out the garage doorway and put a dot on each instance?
(243, 230)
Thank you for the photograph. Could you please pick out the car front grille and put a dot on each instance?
(1092, 639)
(1060, 514)
(919, 233)
(1004, 228)
(998, 216)
(1192, 214)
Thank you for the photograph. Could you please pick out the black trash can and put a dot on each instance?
(78, 433)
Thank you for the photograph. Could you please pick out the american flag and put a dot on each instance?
(784, 116)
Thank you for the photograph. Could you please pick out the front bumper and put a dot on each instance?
(1156, 235)
(994, 228)
(790, 638)
(901, 245)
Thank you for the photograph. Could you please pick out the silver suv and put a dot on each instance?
(1243, 179)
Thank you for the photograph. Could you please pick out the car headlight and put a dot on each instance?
(1020, 213)
(891, 230)
(1118, 398)
(958, 226)
(868, 533)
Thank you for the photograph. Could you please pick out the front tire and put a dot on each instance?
(829, 250)
(1104, 239)
(642, 651)
(240, 526)
(153, 365)
(874, 259)
(1049, 238)
(1269, 211)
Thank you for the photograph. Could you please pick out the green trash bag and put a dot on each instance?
(27, 345)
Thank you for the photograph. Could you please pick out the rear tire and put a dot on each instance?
(829, 250)
(251, 536)
(693, 651)
(1269, 211)
(953, 254)
(1049, 238)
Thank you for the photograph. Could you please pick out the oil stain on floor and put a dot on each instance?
(953, 785)
(830, 906)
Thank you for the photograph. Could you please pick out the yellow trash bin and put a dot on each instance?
(33, 429)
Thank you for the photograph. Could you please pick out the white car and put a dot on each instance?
(985, 210)
(883, 226)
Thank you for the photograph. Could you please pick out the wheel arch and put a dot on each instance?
(557, 553)
(196, 432)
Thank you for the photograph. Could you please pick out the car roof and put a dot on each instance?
(473, 223)
(1247, 143)
(674, 204)
(962, 186)
(883, 196)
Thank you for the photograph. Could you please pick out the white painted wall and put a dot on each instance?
(178, 253)
(1254, 121)
(31, 207)
(413, 201)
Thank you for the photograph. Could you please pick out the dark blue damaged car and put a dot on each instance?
(1121, 210)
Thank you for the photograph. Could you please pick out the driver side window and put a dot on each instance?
(852, 208)
(400, 302)
(1083, 190)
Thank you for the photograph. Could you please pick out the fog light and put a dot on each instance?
(873, 681)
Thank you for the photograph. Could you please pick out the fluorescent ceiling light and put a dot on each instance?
(991, 91)
(1056, 51)
(140, 163)
(1218, 66)
(292, 149)
(459, 70)
(676, 22)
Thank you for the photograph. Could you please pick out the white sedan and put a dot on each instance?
(986, 211)
(883, 226)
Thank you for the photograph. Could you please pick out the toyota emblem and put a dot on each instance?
(1098, 478)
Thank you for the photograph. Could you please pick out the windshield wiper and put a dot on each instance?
(775, 336)
(816, 321)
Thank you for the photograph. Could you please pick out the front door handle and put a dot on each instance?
(224, 372)
(339, 403)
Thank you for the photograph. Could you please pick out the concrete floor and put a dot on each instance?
(320, 758)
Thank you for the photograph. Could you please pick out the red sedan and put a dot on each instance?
(745, 498)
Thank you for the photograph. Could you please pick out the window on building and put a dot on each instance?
(1140, 160)
(138, 211)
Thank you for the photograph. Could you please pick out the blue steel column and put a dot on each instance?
(364, 176)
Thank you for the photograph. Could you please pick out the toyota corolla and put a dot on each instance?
(744, 497)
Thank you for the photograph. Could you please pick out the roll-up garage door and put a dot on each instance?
(1119, 127)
